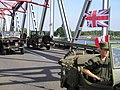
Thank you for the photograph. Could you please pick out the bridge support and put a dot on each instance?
(64, 20)
(52, 18)
(81, 19)
(43, 16)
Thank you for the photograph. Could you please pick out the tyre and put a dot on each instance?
(28, 45)
(117, 87)
(4, 52)
(22, 51)
(34, 46)
(48, 47)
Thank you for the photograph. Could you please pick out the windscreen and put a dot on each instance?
(7, 34)
(116, 55)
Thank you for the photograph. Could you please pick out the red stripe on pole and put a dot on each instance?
(101, 39)
(106, 38)
(97, 42)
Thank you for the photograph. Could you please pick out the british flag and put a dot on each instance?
(98, 18)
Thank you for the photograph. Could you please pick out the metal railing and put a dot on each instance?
(74, 45)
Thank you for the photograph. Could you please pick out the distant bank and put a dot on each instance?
(91, 41)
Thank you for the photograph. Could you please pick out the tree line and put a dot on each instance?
(60, 32)
(112, 33)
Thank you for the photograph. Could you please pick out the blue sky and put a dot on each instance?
(73, 9)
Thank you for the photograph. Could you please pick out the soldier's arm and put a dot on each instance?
(87, 72)
(89, 67)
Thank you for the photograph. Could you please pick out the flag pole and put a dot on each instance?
(105, 6)
(109, 26)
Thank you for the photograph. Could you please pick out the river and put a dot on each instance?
(91, 41)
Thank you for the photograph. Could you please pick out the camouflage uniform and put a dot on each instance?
(99, 68)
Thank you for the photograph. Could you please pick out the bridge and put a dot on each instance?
(37, 69)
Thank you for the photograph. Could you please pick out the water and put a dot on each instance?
(91, 41)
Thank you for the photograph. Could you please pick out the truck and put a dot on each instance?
(10, 42)
(39, 41)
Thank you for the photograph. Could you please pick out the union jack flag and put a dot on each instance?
(98, 18)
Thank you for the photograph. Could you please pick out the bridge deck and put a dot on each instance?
(35, 70)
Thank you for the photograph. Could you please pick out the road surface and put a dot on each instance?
(35, 70)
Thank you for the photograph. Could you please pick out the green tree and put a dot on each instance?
(60, 32)
(24, 30)
(72, 33)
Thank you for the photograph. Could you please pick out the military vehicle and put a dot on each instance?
(10, 41)
(39, 41)
(72, 77)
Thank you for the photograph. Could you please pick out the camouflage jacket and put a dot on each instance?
(98, 67)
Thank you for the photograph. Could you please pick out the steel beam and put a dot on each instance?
(51, 18)
(81, 19)
(43, 16)
(15, 8)
(23, 21)
(64, 20)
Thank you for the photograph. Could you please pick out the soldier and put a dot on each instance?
(98, 68)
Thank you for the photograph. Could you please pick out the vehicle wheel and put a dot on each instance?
(48, 47)
(22, 51)
(28, 45)
(4, 52)
(117, 87)
(34, 46)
